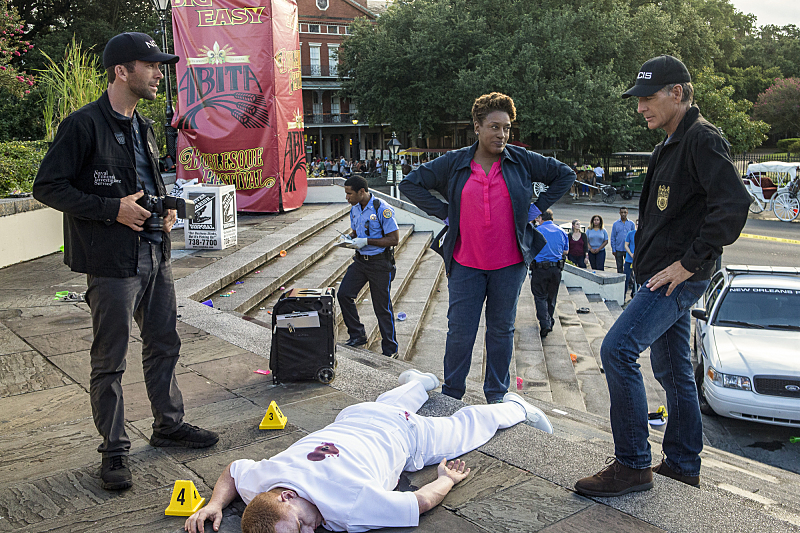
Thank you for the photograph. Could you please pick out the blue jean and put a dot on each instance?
(598, 260)
(469, 288)
(630, 280)
(661, 322)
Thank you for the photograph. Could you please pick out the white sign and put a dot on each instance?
(214, 226)
(386, 155)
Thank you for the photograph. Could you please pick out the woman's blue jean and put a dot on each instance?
(661, 322)
(469, 288)
(598, 260)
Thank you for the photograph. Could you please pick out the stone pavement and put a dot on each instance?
(49, 467)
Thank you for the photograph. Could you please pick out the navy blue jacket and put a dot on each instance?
(449, 173)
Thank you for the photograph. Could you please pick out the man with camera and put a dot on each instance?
(100, 171)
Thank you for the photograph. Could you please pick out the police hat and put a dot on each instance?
(656, 73)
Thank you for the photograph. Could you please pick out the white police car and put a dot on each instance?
(747, 341)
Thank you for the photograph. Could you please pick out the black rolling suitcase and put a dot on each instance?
(304, 336)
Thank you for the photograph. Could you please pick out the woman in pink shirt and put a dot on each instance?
(490, 241)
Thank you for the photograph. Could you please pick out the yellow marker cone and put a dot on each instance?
(185, 499)
(273, 419)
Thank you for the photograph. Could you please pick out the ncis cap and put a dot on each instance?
(656, 73)
(131, 46)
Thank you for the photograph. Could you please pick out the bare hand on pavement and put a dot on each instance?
(130, 213)
(456, 470)
(674, 274)
(196, 522)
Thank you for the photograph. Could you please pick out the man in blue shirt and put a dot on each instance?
(374, 232)
(619, 231)
(630, 248)
(546, 271)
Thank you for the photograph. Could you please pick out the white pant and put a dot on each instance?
(448, 437)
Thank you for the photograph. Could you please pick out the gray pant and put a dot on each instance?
(148, 298)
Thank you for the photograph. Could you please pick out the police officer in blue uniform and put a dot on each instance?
(546, 271)
(374, 233)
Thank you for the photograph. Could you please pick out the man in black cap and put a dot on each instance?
(103, 160)
(693, 203)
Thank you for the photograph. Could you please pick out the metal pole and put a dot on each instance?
(170, 132)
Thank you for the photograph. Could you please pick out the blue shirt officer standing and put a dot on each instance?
(546, 271)
(374, 232)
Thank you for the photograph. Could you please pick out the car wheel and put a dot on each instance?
(699, 374)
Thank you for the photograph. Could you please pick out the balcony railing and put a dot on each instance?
(344, 119)
(322, 71)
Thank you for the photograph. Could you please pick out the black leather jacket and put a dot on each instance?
(84, 174)
(693, 202)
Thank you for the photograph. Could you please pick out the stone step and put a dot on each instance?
(415, 302)
(587, 371)
(407, 257)
(206, 281)
(563, 380)
(528, 362)
(427, 352)
(267, 278)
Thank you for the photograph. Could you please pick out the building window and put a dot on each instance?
(313, 28)
(322, 5)
(333, 60)
(335, 109)
(316, 65)
(333, 29)
(316, 105)
(347, 30)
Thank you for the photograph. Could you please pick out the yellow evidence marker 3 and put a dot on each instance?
(273, 419)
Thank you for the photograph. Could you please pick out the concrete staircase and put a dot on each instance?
(563, 374)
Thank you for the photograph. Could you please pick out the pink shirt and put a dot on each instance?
(487, 237)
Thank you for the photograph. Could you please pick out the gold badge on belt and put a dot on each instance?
(663, 196)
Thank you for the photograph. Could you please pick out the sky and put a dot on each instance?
(778, 12)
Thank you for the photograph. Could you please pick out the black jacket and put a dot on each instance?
(693, 202)
(84, 174)
(449, 173)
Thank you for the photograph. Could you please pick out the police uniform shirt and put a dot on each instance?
(557, 243)
(368, 223)
(347, 469)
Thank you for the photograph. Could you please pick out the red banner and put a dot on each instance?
(240, 104)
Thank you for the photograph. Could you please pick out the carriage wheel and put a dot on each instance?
(756, 206)
(325, 375)
(538, 188)
(785, 206)
(609, 194)
(627, 194)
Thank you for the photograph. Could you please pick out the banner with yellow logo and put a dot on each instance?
(240, 103)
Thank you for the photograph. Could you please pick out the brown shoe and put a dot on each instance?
(615, 480)
(665, 470)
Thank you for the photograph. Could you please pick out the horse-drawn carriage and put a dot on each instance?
(774, 185)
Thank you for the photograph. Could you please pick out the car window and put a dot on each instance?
(713, 292)
(765, 307)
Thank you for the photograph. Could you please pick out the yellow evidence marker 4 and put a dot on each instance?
(273, 419)
(185, 499)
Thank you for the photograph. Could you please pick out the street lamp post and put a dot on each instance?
(394, 148)
(161, 7)
(357, 144)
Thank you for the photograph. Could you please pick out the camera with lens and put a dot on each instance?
(158, 206)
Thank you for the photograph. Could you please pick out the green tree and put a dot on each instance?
(772, 46)
(715, 100)
(779, 106)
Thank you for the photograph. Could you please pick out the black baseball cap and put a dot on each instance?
(131, 46)
(656, 73)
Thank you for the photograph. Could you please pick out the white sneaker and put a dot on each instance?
(535, 416)
(428, 380)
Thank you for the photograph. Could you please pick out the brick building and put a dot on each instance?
(329, 127)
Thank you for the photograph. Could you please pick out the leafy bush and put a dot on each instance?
(19, 162)
(786, 145)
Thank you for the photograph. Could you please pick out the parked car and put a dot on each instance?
(747, 344)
